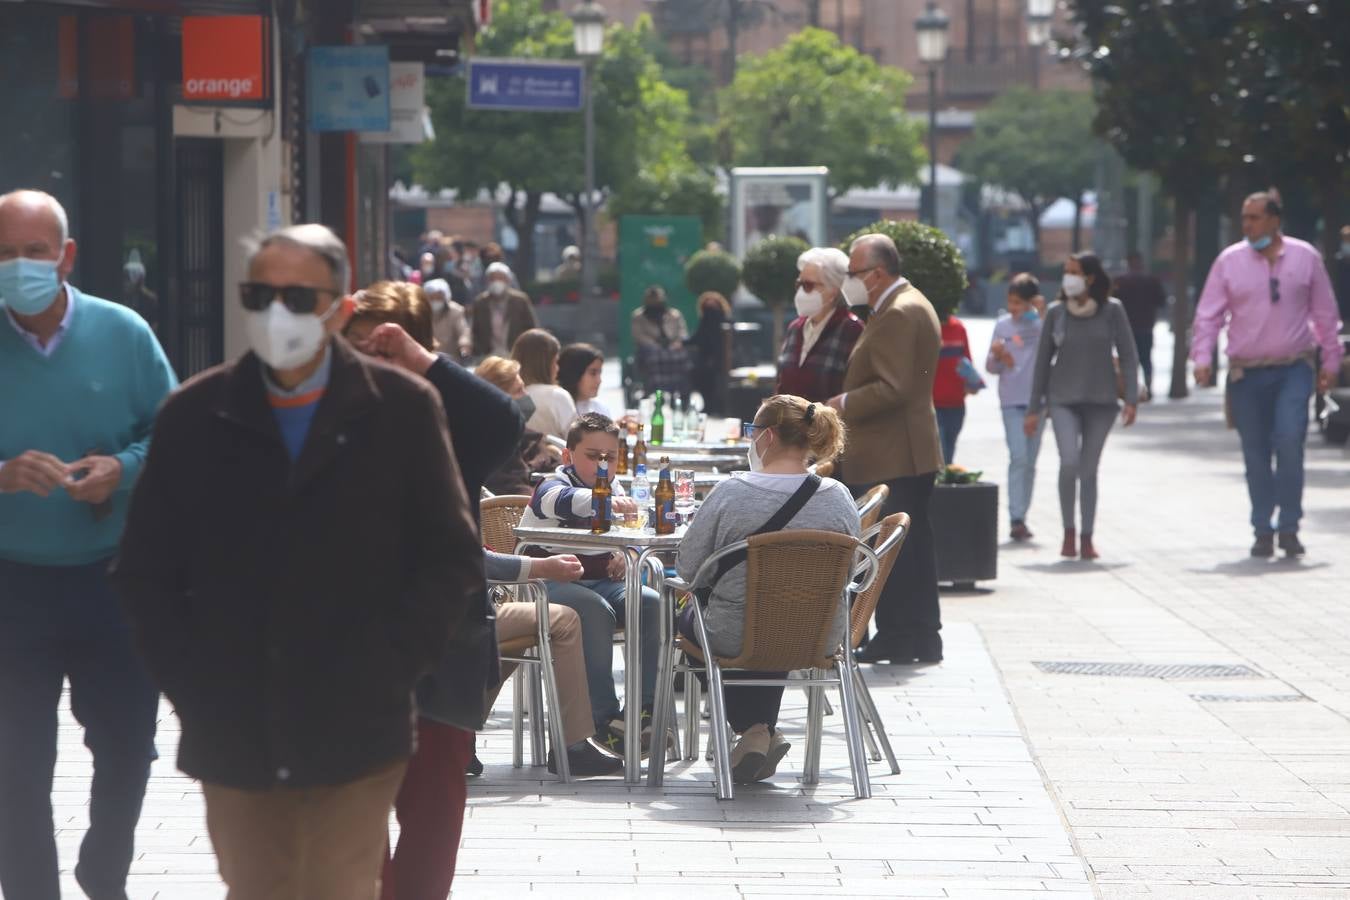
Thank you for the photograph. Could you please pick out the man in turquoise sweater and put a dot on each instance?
(80, 380)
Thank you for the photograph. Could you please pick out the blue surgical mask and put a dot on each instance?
(1260, 243)
(29, 286)
(1031, 316)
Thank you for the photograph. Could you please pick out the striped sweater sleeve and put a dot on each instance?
(557, 500)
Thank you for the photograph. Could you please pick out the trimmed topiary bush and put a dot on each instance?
(770, 273)
(928, 258)
(712, 270)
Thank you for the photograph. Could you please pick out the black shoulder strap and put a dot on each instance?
(780, 519)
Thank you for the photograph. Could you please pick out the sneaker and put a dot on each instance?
(609, 736)
(1290, 544)
(1264, 547)
(585, 760)
(778, 748)
(750, 754)
(1020, 532)
(475, 766)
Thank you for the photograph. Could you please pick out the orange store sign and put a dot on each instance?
(226, 59)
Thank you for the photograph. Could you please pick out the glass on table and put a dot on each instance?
(684, 493)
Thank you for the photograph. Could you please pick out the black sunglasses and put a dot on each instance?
(298, 298)
(1274, 290)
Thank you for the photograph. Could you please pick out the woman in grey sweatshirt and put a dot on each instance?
(788, 431)
(1085, 364)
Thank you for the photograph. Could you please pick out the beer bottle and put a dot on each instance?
(658, 420)
(601, 511)
(639, 450)
(621, 462)
(665, 500)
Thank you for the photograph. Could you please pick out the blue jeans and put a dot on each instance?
(59, 623)
(601, 607)
(1022, 453)
(1270, 408)
(949, 422)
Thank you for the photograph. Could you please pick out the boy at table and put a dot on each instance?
(563, 499)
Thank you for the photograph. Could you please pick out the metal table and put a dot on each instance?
(740, 448)
(680, 460)
(638, 547)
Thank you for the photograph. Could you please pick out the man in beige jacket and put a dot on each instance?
(893, 439)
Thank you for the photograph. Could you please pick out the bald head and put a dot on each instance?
(42, 207)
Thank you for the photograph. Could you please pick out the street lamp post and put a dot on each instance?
(588, 34)
(931, 28)
(1039, 14)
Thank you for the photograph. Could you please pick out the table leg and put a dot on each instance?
(632, 669)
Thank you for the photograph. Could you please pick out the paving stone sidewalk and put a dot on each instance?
(1015, 782)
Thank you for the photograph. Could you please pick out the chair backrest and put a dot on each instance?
(794, 583)
(890, 538)
(500, 516)
(869, 506)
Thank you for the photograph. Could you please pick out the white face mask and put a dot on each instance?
(438, 306)
(855, 291)
(756, 460)
(497, 288)
(808, 304)
(1074, 285)
(283, 339)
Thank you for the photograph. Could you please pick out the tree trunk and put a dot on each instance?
(522, 220)
(1078, 222)
(1036, 211)
(777, 328)
(733, 34)
(1181, 307)
(813, 13)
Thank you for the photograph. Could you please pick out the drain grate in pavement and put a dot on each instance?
(1148, 670)
(1248, 698)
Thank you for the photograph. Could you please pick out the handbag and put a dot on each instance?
(780, 519)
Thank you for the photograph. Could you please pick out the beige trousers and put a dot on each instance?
(325, 843)
(515, 620)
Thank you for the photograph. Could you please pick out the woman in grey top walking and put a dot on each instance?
(1085, 364)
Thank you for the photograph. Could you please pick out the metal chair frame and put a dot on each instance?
(541, 687)
(863, 571)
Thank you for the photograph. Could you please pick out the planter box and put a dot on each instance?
(965, 532)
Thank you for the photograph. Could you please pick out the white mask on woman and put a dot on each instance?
(756, 460)
(1074, 285)
(808, 304)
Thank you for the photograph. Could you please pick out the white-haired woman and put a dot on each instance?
(818, 342)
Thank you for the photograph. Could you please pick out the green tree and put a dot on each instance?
(1038, 144)
(1220, 97)
(814, 101)
(770, 273)
(712, 270)
(733, 16)
(932, 263)
(639, 121)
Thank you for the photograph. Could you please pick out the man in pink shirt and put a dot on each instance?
(1274, 294)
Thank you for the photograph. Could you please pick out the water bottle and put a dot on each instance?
(641, 492)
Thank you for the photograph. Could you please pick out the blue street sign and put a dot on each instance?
(525, 84)
(349, 88)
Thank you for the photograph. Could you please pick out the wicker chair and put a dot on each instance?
(795, 581)
(500, 516)
(535, 682)
(869, 506)
(889, 536)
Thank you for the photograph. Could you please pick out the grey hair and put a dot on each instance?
(317, 239)
(881, 250)
(833, 264)
(59, 211)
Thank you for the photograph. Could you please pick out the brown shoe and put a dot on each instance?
(1020, 532)
(1087, 551)
(1070, 548)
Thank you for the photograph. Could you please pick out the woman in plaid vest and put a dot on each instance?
(819, 341)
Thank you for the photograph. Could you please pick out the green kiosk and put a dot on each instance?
(653, 250)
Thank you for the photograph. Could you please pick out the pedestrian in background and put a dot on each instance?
(887, 405)
(659, 334)
(538, 353)
(1012, 357)
(448, 322)
(712, 350)
(1343, 277)
(579, 372)
(814, 357)
(1274, 294)
(1143, 295)
(74, 429)
(955, 377)
(1085, 364)
(299, 550)
(500, 314)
